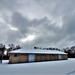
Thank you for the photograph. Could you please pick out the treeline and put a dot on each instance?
(13, 47)
(4, 50)
(50, 48)
(70, 51)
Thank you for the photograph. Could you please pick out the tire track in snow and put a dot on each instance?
(72, 72)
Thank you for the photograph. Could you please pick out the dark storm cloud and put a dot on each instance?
(20, 22)
(42, 28)
(51, 21)
(69, 21)
(57, 7)
(7, 4)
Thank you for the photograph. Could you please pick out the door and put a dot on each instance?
(31, 57)
(60, 56)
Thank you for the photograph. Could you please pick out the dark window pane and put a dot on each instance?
(15, 55)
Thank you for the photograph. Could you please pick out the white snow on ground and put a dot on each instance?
(63, 67)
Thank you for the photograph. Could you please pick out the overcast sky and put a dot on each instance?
(43, 23)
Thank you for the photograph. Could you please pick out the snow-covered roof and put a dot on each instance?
(37, 51)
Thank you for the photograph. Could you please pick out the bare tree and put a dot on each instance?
(2, 49)
(18, 47)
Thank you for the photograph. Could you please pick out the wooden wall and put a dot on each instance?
(49, 57)
(64, 56)
(18, 58)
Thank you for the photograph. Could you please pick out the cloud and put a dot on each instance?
(20, 22)
(51, 22)
(7, 4)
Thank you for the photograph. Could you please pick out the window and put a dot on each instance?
(43, 55)
(15, 55)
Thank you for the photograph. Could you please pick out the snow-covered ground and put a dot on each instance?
(63, 67)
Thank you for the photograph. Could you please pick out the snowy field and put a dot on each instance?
(63, 67)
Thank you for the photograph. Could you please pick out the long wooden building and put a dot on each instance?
(35, 55)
